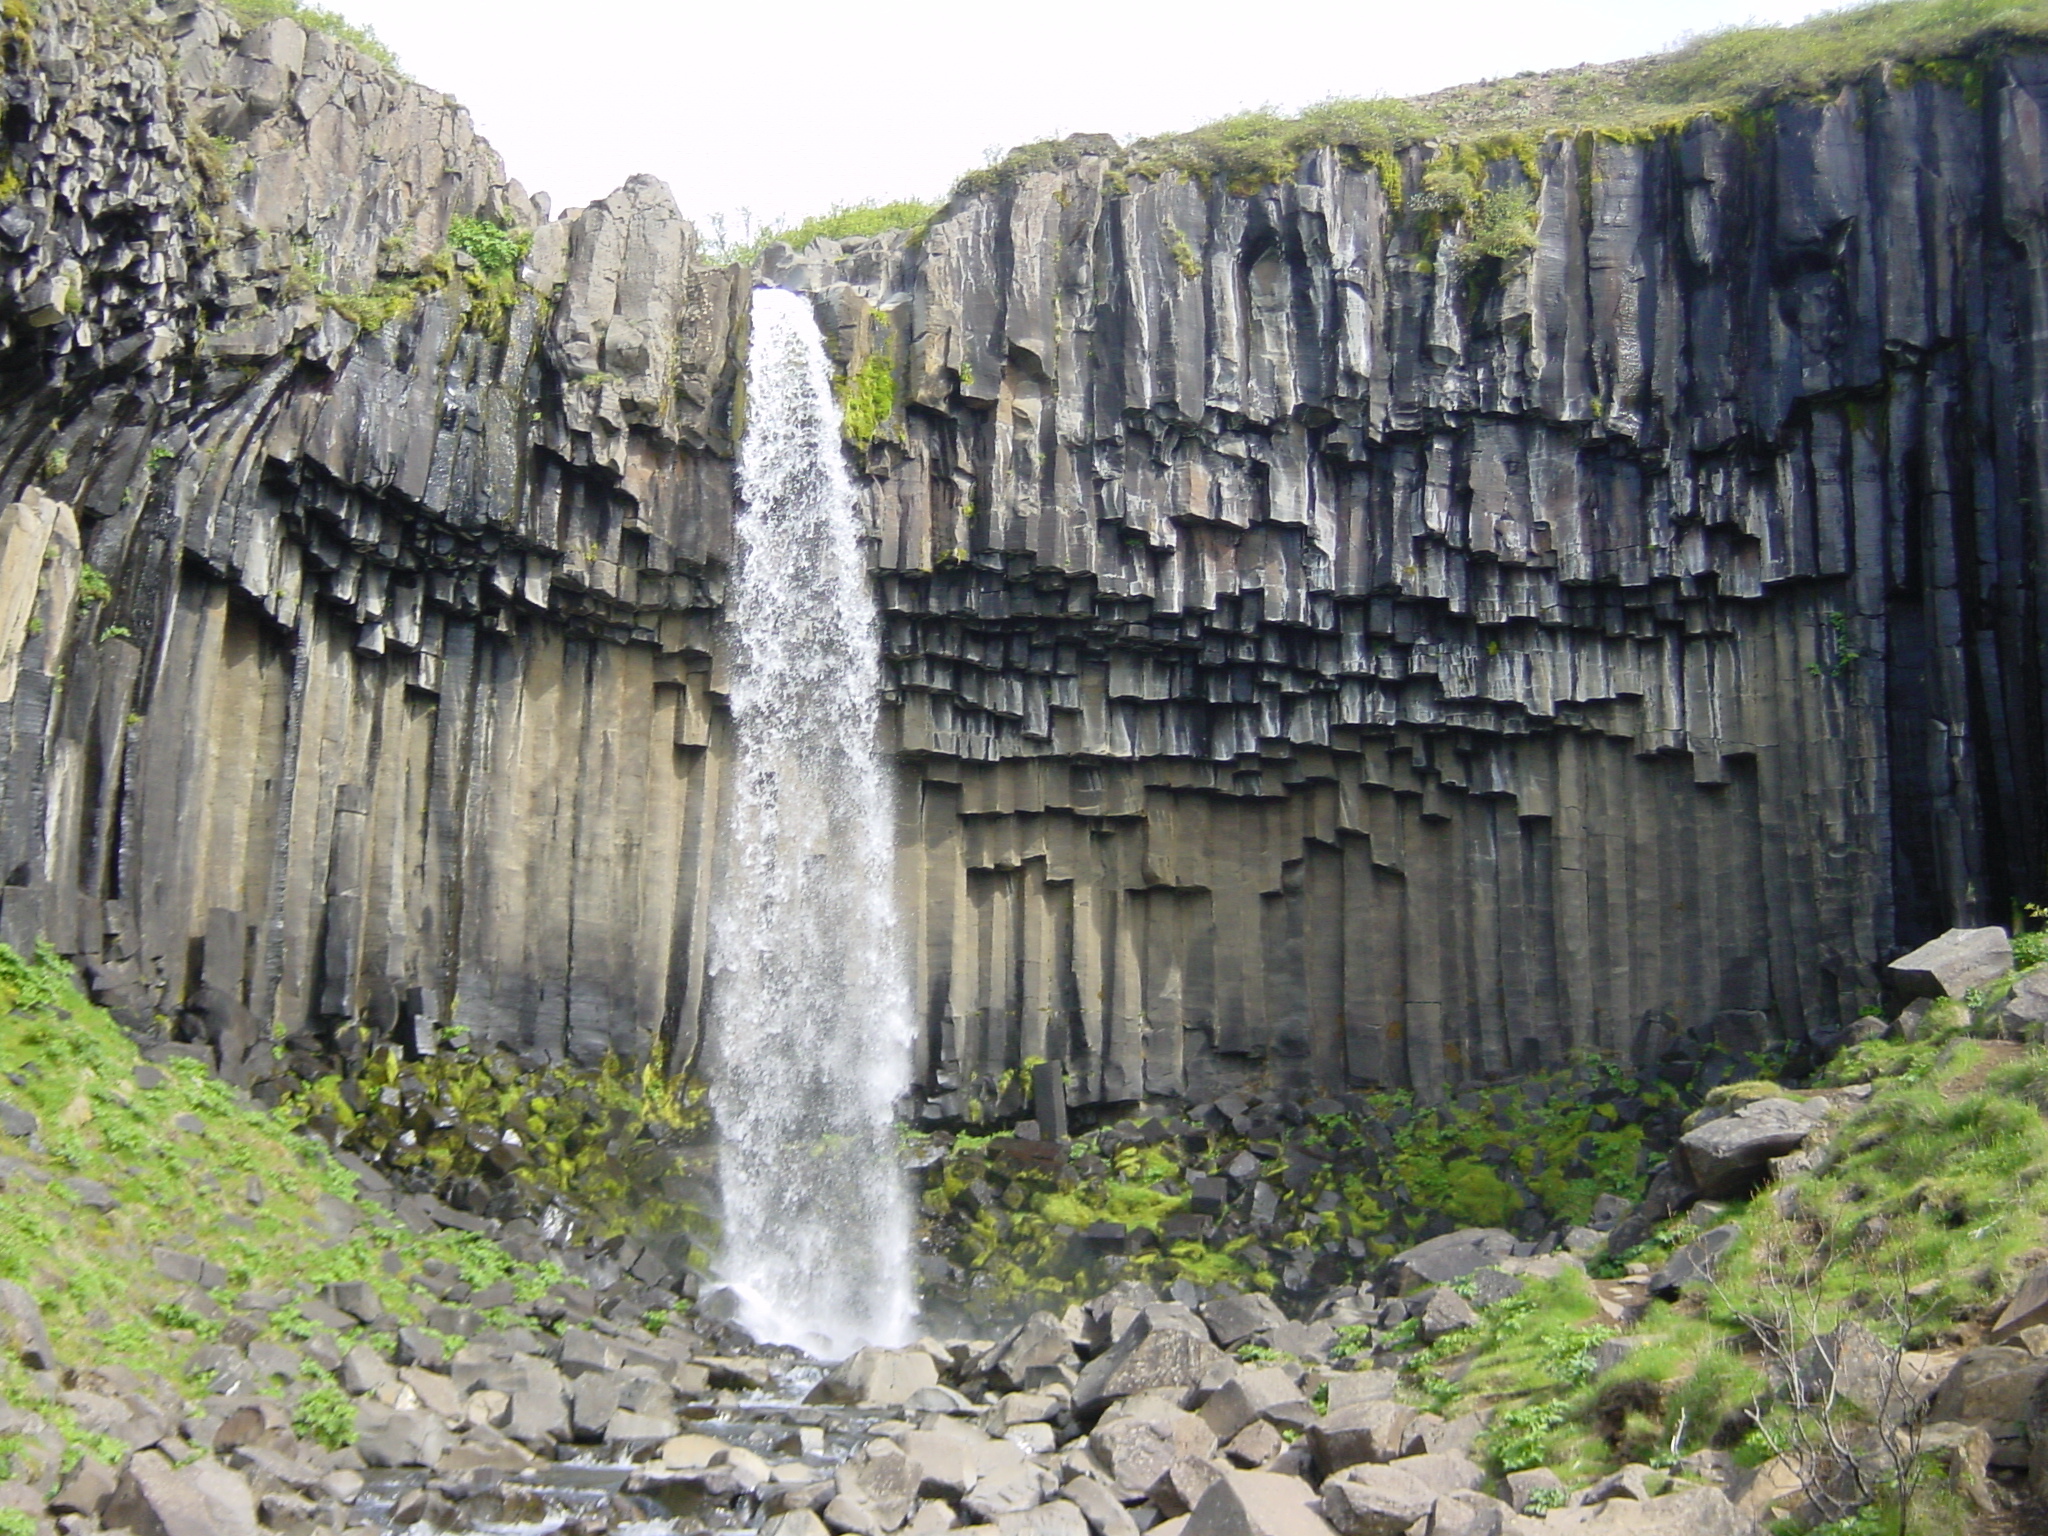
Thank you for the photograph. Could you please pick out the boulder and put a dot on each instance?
(1104, 1512)
(945, 1463)
(1233, 1319)
(1180, 1488)
(21, 1328)
(1694, 1263)
(1365, 1432)
(1467, 1514)
(1991, 1382)
(1247, 1396)
(1055, 1517)
(1524, 1487)
(1447, 1313)
(1854, 1364)
(1153, 1353)
(1257, 1504)
(1375, 1501)
(1451, 1256)
(1693, 1512)
(2027, 1306)
(1731, 1155)
(1951, 965)
(878, 1378)
(1440, 1471)
(1036, 1351)
(157, 1498)
(388, 1438)
(875, 1492)
(2024, 1012)
(1135, 1449)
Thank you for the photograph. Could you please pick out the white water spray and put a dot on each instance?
(810, 1007)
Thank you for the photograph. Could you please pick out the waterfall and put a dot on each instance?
(810, 1005)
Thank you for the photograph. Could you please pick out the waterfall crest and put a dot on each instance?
(809, 997)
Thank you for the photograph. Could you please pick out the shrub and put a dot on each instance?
(494, 248)
(326, 1414)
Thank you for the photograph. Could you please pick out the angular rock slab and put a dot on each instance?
(1376, 1501)
(1695, 1512)
(1147, 1358)
(1731, 1155)
(1951, 965)
(1452, 1256)
(1257, 1504)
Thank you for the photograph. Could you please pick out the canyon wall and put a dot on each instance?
(1326, 648)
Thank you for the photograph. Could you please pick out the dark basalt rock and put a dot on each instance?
(1351, 661)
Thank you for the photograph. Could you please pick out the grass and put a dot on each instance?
(195, 1166)
(1724, 72)
(315, 18)
(844, 221)
(1932, 1205)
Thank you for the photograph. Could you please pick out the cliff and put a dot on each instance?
(1413, 620)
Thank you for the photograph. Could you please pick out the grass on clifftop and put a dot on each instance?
(315, 18)
(1722, 71)
(845, 221)
(128, 1158)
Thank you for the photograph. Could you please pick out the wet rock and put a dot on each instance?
(878, 1377)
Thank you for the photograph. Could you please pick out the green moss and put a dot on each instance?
(326, 1414)
(867, 399)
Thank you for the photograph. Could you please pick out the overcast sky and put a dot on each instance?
(784, 109)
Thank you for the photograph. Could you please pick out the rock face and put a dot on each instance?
(1319, 654)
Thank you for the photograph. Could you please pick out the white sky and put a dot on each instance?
(788, 108)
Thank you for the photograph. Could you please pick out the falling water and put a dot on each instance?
(810, 1005)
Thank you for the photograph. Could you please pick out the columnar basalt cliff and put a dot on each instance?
(1326, 647)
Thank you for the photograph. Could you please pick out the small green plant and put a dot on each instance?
(1540, 1501)
(1519, 1438)
(1184, 256)
(494, 248)
(116, 632)
(56, 461)
(867, 399)
(161, 455)
(17, 1522)
(326, 1414)
(1839, 651)
(92, 586)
